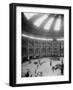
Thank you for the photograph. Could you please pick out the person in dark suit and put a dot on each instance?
(62, 68)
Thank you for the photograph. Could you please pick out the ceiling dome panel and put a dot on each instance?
(43, 24)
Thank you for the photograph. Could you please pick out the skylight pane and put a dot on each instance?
(58, 24)
(39, 21)
(49, 23)
(29, 15)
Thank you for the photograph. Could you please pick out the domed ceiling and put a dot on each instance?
(43, 25)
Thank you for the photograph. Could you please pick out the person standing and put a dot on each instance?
(62, 68)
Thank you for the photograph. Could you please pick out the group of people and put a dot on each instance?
(39, 64)
(58, 66)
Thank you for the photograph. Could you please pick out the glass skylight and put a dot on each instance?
(29, 15)
(49, 23)
(57, 26)
(40, 20)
